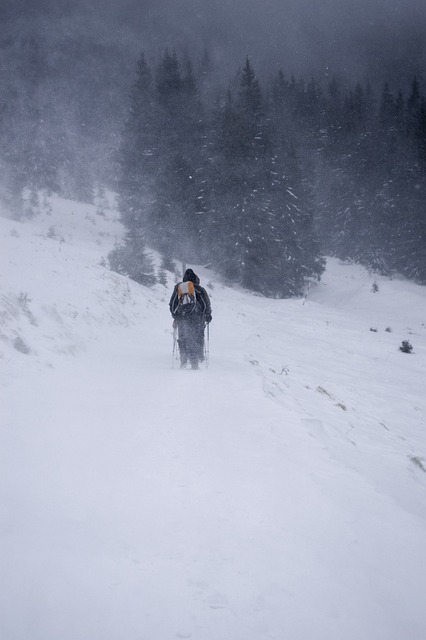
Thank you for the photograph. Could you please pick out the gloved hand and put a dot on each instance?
(208, 318)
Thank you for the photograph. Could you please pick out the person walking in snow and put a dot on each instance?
(191, 311)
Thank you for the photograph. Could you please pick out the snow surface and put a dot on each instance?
(278, 494)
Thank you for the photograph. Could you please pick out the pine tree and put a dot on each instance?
(179, 207)
(269, 224)
(413, 108)
(139, 159)
(348, 176)
(130, 259)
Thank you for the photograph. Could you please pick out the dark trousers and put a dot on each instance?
(191, 339)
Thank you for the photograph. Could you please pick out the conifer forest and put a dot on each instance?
(257, 175)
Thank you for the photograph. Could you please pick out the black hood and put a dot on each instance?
(189, 275)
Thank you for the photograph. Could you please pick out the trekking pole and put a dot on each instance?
(207, 346)
(174, 346)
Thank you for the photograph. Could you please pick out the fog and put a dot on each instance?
(362, 37)
(67, 67)
(374, 38)
(377, 39)
(352, 146)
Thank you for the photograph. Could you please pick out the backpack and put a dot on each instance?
(187, 299)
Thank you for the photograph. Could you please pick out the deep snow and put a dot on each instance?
(278, 494)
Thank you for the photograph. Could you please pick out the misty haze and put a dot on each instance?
(340, 116)
(212, 319)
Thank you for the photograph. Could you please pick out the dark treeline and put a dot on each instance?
(211, 179)
(259, 180)
(256, 179)
(61, 108)
(370, 177)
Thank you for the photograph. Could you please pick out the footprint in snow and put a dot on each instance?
(217, 601)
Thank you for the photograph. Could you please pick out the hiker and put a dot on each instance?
(191, 310)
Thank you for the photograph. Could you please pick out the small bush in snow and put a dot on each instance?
(24, 304)
(20, 346)
(51, 233)
(388, 329)
(418, 462)
(406, 347)
(375, 287)
(24, 299)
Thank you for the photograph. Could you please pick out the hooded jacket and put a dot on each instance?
(203, 309)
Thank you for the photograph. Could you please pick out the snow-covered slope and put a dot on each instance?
(280, 493)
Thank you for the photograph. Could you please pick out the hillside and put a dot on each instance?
(279, 493)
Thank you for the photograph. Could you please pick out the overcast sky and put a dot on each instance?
(351, 36)
(378, 38)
